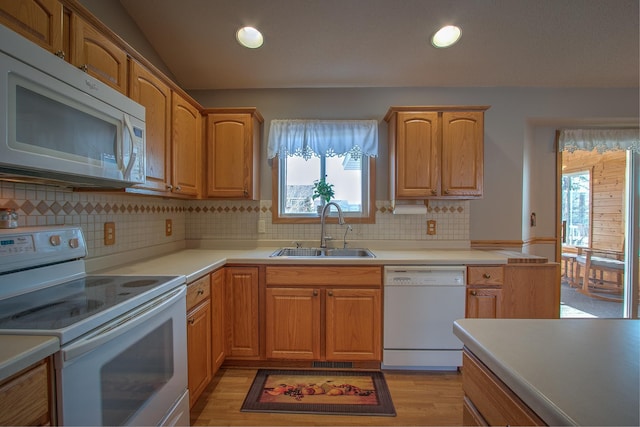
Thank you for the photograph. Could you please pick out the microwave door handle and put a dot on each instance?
(132, 155)
(121, 325)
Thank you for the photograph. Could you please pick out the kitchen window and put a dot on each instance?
(342, 152)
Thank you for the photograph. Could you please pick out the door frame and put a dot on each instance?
(631, 286)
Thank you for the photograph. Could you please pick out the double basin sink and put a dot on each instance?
(323, 252)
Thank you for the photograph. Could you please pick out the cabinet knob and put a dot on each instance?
(486, 276)
(330, 293)
(200, 291)
(178, 188)
(84, 68)
(169, 187)
(315, 292)
(434, 192)
(446, 191)
(191, 321)
(474, 293)
(246, 193)
(60, 54)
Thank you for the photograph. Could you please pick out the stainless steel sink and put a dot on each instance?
(323, 252)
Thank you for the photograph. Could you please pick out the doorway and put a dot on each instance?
(598, 202)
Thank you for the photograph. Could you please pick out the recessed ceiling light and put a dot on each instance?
(446, 36)
(249, 37)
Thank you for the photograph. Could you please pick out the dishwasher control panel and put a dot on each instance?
(424, 276)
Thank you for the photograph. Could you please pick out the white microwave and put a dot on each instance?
(60, 125)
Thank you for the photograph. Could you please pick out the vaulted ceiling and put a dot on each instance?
(385, 43)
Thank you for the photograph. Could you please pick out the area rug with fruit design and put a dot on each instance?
(319, 392)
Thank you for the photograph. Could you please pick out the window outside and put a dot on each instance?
(576, 191)
(349, 177)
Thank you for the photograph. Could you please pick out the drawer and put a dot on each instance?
(198, 291)
(485, 275)
(25, 397)
(491, 398)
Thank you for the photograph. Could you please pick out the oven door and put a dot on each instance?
(132, 371)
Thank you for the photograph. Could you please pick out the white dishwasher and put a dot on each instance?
(420, 306)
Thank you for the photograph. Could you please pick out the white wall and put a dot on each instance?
(499, 215)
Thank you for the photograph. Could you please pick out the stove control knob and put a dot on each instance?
(54, 240)
(74, 243)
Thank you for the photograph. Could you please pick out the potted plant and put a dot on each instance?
(322, 190)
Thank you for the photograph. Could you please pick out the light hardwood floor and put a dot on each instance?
(420, 399)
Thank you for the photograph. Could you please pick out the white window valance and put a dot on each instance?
(600, 139)
(307, 138)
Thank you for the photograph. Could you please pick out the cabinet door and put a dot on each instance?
(230, 156)
(353, 324)
(241, 295)
(417, 155)
(462, 153)
(199, 349)
(25, 397)
(293, 323)
(217, 320)
(94, 53)
(484, 303)
(186, 143)
(41, 21)
(155, 96)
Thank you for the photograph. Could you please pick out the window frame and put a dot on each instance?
(279, 218)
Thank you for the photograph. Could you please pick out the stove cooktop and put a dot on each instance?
(77, 306)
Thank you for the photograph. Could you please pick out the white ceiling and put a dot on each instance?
(385, 43)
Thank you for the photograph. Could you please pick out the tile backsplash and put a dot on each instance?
(140, 220)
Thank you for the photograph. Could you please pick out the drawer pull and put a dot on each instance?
(474, 293)
(486, 276)
(200, 291)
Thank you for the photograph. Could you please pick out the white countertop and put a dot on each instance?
(194, 263)
(569, 371)
(18, 352)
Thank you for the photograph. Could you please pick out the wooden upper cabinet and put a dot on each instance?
(233, 153)
(436, 152)
(155, 96)
(187, 147)
(417, 154)
(462, 153)
(95, 53)
(41, 21)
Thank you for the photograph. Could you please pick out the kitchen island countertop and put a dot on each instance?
(568, 371)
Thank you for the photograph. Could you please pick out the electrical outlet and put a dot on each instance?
(261, 226)
(109, 233)
(431, 227)
(168, 227)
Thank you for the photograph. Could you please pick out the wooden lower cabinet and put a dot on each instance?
(26, 397)
(218, 347)
(353, 324)
(516, 291)
(293, 323)
(488, 401)
(484, 303)
(198, 337)
(241, 312)
(317, 313)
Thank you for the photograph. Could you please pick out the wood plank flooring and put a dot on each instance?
(420, 399)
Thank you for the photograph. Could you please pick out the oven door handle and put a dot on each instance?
(121, 325)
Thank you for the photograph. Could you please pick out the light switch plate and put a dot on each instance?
(168, 227)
